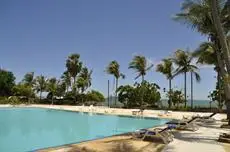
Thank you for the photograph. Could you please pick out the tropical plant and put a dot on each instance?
(127, 96)
(74, 66)
(184, 62)
(140, 65)
(177, 97)
(7, 82)
(84, 79)
(222, 39)
(130, 95)
(52, 88)
(217, 95)
(114, 69)
(61, 89)
(166, 68)
(94, 95)
(204, 17)
(66, 78)
(220, 31)
(28, 79)
(206, 54)
(40, 85)
(151, 94)
(23, 91)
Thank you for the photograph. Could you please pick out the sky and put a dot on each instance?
(39, 35)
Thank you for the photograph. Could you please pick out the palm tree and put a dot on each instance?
(215, 7)
(206, 54)
(52, 87)
(29, 79)
(84, 79)
(74, 66)
(40, 84)
(114, 69)
(140, 65)
(201, 16)
(183, 60)
(166, 68)
(66, 78)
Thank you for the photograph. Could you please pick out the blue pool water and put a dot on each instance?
(27, 129)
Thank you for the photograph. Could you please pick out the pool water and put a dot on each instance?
(28, 129)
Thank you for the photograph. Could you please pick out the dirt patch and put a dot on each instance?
(112, 144)
(226, 146)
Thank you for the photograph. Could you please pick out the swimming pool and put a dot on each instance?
(27, 129)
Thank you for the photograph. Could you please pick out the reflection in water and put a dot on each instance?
(26, 129)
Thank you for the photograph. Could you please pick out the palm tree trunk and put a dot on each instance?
(185, 89)
(225, 49)
(142, 78)
(108, 95)
(52, 99)
(74, 89)
(226, 85)
(191, 90)
(116, 91)
(170, 93)
(219, 88)
(40, 95)
(142, 91)
(220, 32)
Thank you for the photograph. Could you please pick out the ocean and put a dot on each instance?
(164, 102)
(196, 103)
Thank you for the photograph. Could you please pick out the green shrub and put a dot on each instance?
(4, 100)
(14, 100)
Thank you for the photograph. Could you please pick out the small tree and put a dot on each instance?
(94, 95)
(7, 82)
(177, 97)
(130, 95)
(23, 90)
(218, 95)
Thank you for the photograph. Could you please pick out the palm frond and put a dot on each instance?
(197, 76)
(150, 67)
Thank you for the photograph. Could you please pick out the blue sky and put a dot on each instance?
(39, 35)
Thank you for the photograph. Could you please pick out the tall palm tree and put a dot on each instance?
(40, 84)
(201, 16)
(84, 79)
(166, 68)
(74, 66)
(140, 65)
(183, 60)
(114, 69)
(29, 79)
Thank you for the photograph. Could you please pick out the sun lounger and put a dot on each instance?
(207, 119)
(184, 125)
(156, 134)
(224, 138)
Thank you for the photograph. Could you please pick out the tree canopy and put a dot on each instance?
(7, 82)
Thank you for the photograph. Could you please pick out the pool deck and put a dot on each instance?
(205, 139)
